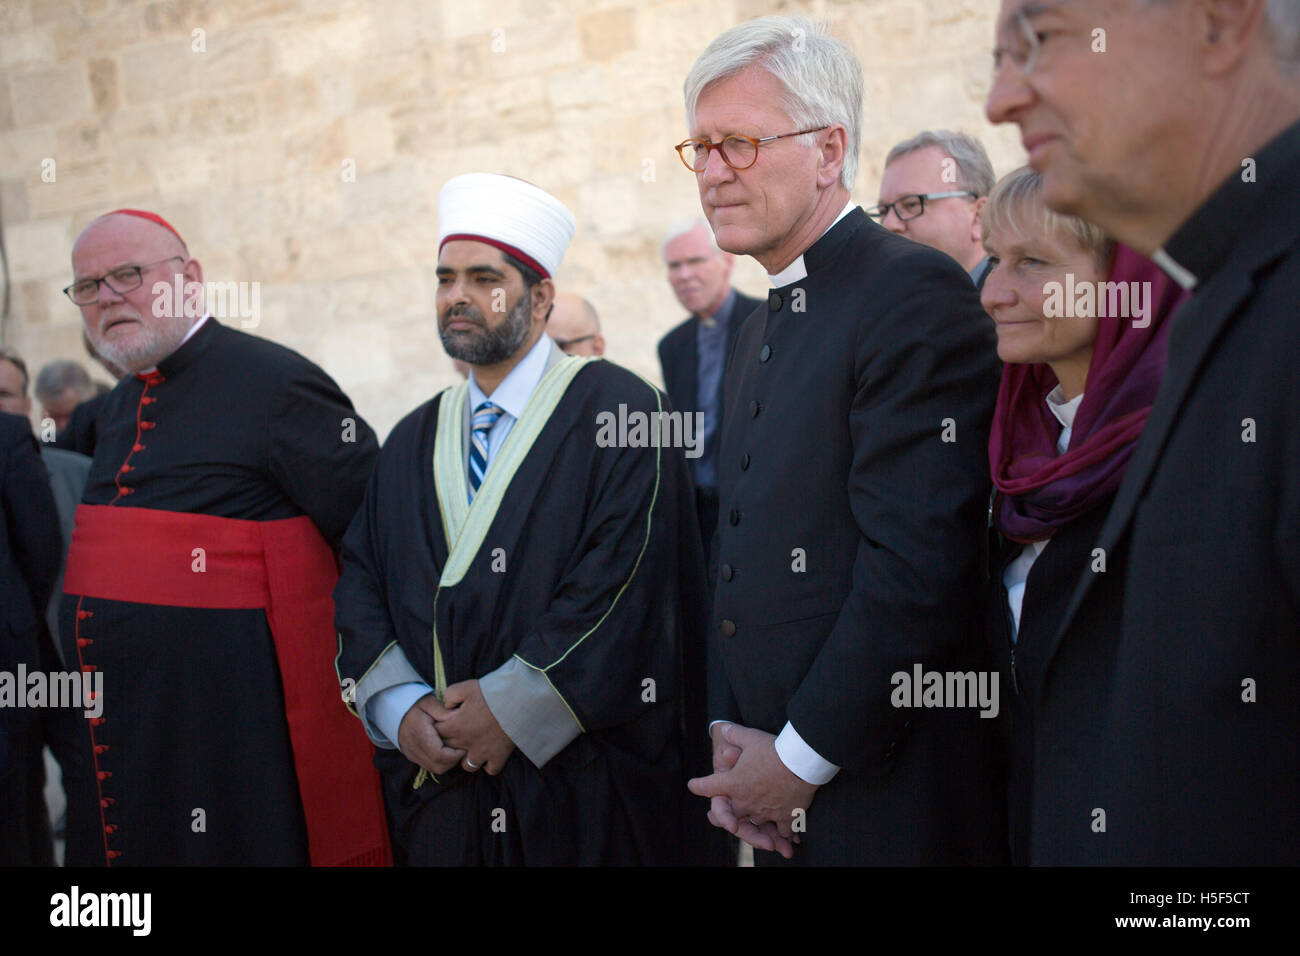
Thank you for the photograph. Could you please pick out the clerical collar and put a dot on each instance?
(185, 352)
(512, 395)
(796, 270)
(1201, 244)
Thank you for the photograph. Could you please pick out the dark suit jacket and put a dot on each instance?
(851, 542)
(1183, 724)
(82, 430)
(30, 551)
(1047, 591)
(679, 357)
(30, 545)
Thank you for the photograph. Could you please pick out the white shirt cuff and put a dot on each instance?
(801, 760)
(387, 708)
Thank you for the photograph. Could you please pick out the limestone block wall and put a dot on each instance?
(300, 144)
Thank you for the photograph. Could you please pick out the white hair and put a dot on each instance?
(1282, 26)
(821, 76)
(684, 225)
(1282, 22)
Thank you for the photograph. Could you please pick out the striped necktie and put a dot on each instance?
(485, 416)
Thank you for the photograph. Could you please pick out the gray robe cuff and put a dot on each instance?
(529, 710)
(392, 668)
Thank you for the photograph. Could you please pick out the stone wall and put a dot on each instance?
(300, 144)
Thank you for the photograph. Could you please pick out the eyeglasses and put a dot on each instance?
(737, 151)
(563, 344)
(910, 207)
(1022, 50)
(120, 280)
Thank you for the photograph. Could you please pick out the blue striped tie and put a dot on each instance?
(485, 416)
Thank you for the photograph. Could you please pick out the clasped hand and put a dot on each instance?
(460, 728)
(752, 794)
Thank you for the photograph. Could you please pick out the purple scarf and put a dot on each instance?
(1039, 490)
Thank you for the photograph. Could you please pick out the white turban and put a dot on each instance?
(515, 216)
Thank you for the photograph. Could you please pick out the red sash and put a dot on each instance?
(286, 568)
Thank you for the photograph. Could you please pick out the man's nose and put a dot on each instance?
(107, 295)
(1008, 95)
(716, 171)
(891, 222)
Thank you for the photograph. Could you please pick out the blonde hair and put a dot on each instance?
(1016, 204)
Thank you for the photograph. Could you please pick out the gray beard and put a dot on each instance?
(149, 348)
(490, 346)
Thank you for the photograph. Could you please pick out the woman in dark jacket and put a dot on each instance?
(1082, 330)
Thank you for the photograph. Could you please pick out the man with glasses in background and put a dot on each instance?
(198, 582)
(853, 483)
(574, 326)
(933, 189)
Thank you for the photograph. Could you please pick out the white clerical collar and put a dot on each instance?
(188, 335)
(795, 270)
(512, 395)
(1171, 268)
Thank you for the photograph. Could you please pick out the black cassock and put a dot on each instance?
(590, 569)
(853, 482)
(236, 427)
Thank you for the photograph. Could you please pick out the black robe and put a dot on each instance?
(194, 715)
(593, 537)
(852, 545)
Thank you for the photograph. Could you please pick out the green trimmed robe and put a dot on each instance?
(577, 563)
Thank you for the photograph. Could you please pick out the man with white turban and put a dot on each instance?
(522, 579)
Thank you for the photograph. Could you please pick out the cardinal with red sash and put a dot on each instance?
(198, 583)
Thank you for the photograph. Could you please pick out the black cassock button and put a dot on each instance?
(744, 462)
(765, 353)
(728, 628)
(734, 517)
(726, 572)
(755, 407)
(774, 302)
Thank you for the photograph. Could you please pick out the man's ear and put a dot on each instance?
(193, 271)
(543, 298)
(976, 223)
(831, 161)
(728, 263)
(1227, 30)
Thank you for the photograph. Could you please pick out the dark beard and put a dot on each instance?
(489, 346)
